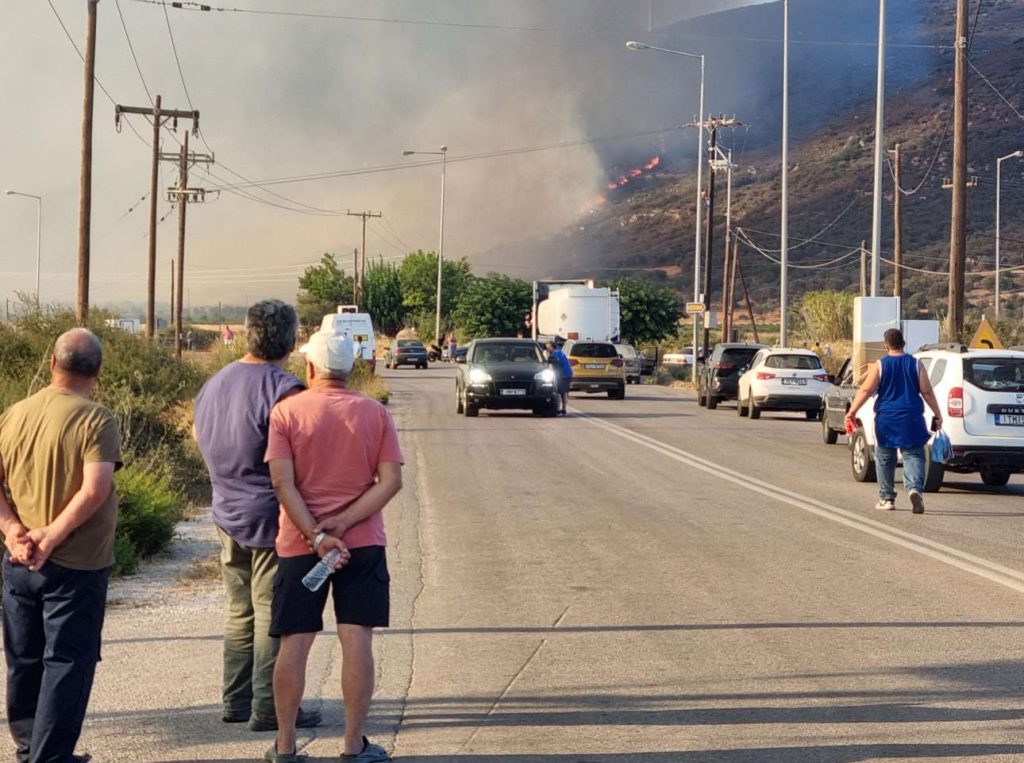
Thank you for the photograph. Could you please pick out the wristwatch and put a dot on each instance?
(318, 540)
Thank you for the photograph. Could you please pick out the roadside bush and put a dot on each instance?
(149, 511)
(828, 315)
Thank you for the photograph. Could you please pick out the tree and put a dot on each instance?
(418, 275)
(828, 314)
(493, 306)
(322, 288)
(648, 313)
(382, 297)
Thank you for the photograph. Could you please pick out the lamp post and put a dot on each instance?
(443, 153)
(784, 222)
(999, 177)
(39, 233)
(633, 45)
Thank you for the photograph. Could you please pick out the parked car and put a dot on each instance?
(983, 393)
(649, 358)
(836, 403)
(677, 359)
(632, 362)
(783, 379)
(406, 352)
(718, 376)
(502, 374)
(596, 367)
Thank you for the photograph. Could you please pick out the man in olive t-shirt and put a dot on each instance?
(58, 454)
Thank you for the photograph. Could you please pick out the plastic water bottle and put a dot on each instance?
(317, 576)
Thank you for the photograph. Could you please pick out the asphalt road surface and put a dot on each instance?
(643, 581)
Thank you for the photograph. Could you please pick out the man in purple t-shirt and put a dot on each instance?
(231, 425)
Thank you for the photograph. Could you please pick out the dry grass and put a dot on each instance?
(202, 572)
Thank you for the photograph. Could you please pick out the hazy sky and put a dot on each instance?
(283, 97)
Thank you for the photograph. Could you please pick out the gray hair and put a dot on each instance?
(332, 374)
(79, 352)
(271, 326)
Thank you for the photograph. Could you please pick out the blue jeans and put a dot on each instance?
(52, 622)
(913, 470)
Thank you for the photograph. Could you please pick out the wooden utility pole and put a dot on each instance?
(159, 117)
(746, 296)
(355, 278)
(360, 272)
(958, 224)
(732, 284)
(182, 208)
(171, 309)
(897, 224)
(85, 179)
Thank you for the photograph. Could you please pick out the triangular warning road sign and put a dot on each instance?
(985, 337)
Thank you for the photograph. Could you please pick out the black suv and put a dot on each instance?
(836, 403)
(503, 374)
(719, 373)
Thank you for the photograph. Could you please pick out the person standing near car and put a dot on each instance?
(903, 387)
(231, 424)
(564, 370)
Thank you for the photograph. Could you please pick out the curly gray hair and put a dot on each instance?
(271, 326)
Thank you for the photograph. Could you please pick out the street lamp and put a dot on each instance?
(633, 45)
(39, 232)
(443, 153)
(999, 175)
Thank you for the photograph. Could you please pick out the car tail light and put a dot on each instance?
(617, 363)
(955, 404)
(821, 377)
(573, 362)
(764, 376)
(724, 365)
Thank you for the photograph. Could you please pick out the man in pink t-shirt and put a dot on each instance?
(335, 462)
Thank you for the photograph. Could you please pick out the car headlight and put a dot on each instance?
(479, 376)
(545, 376)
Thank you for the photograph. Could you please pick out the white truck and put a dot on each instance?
(348, 321)
(574, 309)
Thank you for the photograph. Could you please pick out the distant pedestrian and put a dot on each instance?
(190, 340)
(563, 367)
(231, 422)
(901, 382)
(229, 336)
(453, 345)
(336, 463)
(357, 348)
(58, 454)
(828, 352)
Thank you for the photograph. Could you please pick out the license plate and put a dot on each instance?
(594, 366)
(1010, 419)
(514, 392)
(794, 382)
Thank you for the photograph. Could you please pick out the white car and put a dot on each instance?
(677, 359)
(982, 393)
(783, 379)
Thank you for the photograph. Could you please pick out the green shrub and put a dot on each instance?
(828, 315)
(126, 558)
(149, 510)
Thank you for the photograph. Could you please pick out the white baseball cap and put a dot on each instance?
(330, 351)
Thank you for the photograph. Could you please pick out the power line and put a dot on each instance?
(187, 5)
(131, 48)
(177, 60)
(995, 90)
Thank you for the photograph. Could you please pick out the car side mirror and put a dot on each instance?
(831, 378)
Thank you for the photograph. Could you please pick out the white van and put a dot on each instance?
(349, 321)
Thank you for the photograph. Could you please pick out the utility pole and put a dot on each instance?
(171, 313)
(746, 296)
(863, 268)
(359, 275)
(355, 277)
(184, 196)
(897, 224)
(158, 117)
(727, 157)
(784, 224)
(876, 213)
(958, 223)
(85, 178)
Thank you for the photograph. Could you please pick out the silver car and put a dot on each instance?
(632, 362)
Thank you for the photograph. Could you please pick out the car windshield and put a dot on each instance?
(625, 350)
(410, 343)
(995, 374)
(593, 350)
(739, 356)
(507, 353)
(800, 362)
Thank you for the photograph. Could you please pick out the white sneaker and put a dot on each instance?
(917, 501)
(886, 504)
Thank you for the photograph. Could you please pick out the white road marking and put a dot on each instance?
(996, 573)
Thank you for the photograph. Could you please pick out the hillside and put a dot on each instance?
(647, 226)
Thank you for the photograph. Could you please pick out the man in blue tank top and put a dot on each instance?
(901, 382)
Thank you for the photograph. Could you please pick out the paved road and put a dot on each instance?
(642, 581)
